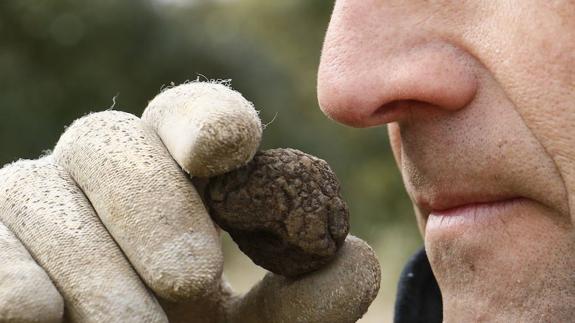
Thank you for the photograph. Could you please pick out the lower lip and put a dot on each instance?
(473, 214)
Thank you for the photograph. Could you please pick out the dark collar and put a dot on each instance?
(418, 296)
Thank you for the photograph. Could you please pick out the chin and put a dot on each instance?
(503, 264)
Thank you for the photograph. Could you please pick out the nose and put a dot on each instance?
(377, 63)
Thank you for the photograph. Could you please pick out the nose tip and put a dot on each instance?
(364, 89)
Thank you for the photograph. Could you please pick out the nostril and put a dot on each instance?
(397, 110)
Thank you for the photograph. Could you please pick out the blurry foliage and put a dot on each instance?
(60, 59)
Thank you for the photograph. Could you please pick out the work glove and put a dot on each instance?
(110, 228)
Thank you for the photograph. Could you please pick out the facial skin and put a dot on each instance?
(480, 101)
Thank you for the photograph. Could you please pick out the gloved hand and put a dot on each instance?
(123, 235)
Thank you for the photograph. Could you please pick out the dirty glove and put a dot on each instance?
(114, 220)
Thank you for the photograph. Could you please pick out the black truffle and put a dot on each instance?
(283, 209)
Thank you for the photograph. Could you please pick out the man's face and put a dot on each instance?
(480, 101)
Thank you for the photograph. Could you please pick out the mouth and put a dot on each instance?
(473, 207)
(452, 212)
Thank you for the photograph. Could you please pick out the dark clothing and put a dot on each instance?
(418, 296)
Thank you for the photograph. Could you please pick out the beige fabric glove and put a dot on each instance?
(26, 292)
(123, 235)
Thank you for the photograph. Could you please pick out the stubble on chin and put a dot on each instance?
(520, 272)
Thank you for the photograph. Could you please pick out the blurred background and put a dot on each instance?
(61, 59)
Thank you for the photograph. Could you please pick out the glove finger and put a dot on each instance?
(42, 206)
(26, 292)
(208, 128)
(209, 309)
(146, 202)
(340, 292)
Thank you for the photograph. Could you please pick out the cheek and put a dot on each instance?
(530, 49)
